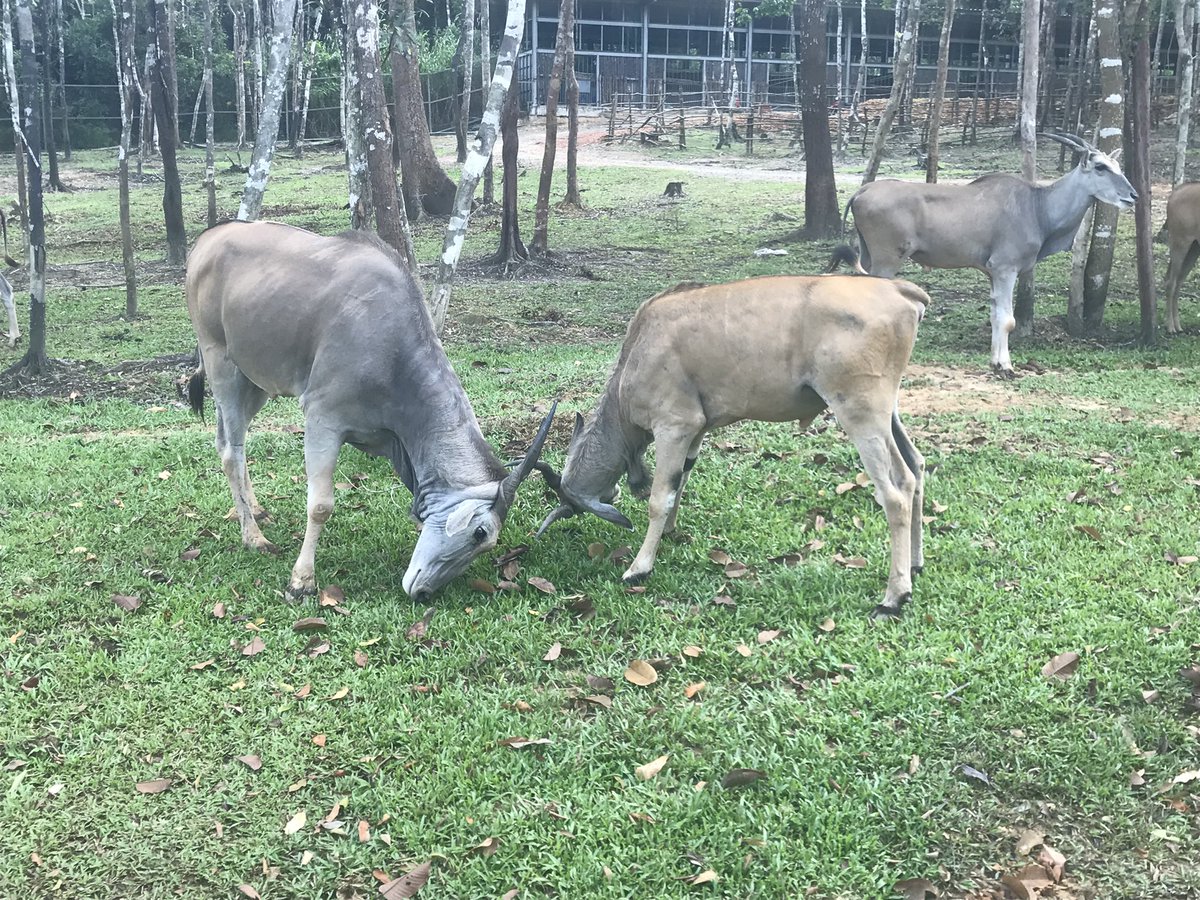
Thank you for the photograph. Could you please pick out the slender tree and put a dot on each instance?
(861, 85)
(390, 220)
(939, 95)
(904, 56)
(14, 108)
(466, 61)
(499, 93)
(821, 214)
(239, 67)
(1031, 23)
(512, 248)
(541, 215)
(1185, 36)
(1108, 138)
(572, 199)
(34, 362)
(359, 182)
(123, 40)
(485, 59)
(60, 29)
(146, 131)
(49, 93)
(210, 166)
(259, 84)
(293, 126)
(313, 43)
(1137, 136)
(268, 131)
(165, 118)
(426, 185)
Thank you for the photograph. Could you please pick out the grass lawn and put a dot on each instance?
(199, 745)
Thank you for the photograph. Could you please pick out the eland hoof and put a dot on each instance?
(917, 570)
(632, 579)
(1005, 372)
(294, 593)
(884, 612)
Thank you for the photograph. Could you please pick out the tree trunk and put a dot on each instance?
(572, 198)
(14, 109)
(293, 124)
(268, 131)
(1158, 36)
(259, 84)
(164, 116)
(1074, 63)
(123, 40)
(821, 214)
(1031, 27)
(210, 167)
(1079, 249)
(861, 84)
(541, 216)
(485, 68)
(980, 57)
(146, 129)
(34, 361)
(302, 130)
(359, 184)
(49, 97)
(426, 186)
(939, 96)
(166, 62)
(1108, 131)
(511, 248)
(239, 68)
(60, 32)
(500, 95)
(1185, 30)
(390, 220)
(466, 57)
(899, 79)
(196, 113)
(1138, 126)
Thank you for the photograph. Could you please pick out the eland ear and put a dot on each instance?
(578, 427)
(460, 517)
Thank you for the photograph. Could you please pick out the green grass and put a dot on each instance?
(861, 730)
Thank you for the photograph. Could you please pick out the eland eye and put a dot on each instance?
(480, 534)
(1101, 167)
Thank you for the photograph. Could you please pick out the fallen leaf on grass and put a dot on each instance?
(828, 625)
(1028, 840)
(595, 550)
(364, 831)
(303, 692)
(196, 667)
(1186, 777)
(744, 650)
(483, 587)
(315, 647)
(1091, 531)
(742, 777)
(708, 876)
(340, 693)
(486, 847)
(331, 595)
(313, 623)
(126, 602)
(408, 884)
(1053, 862)
(254, 648)
(1027, 884)
(553, 653)
(692, 651)
(1137, 778)
(319, 740)
(154, 786)
(218, 611)
(853, 562)
(736, 570)
(720, 557)
(189, 554)
(1061, 666)
(599, 700)
(249, 891)
(600, 683)
(975, 774)
(1176, 560)
(1150, 696)
(693, 689)
(652, 768)
(253, 762)
(844, 487)
(296, 822)
(511, 895)
(765, 637)
(361, 659)
(542, 585)
(915, 888)
(417, 630)
(641, 673)
(520, 743)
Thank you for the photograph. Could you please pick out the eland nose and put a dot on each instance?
(422, 595)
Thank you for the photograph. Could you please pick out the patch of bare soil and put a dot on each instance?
(155, 380)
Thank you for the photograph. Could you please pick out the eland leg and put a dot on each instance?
(689, 463)
(1003, 322)
(320, 458)
(916, 464)
(14, 327)
(895, 490)
(1183, 258)
(238, 400)
(671, 455)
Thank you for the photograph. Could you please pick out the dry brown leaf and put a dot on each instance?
(595, 550)
(511, 895)
(708, 876)
(1150, 696)
(553, 653)
(652, 768)
(364, 831)
(340, 693)
(189, 554)
(1052, 861)
(417, 629)
(126, 602)
(319, 740)
(1186, 777)
(154, 786)
(218, 611)
(1091, 531)
(483, 587)
(408, 884)
(316, 646)
(720, 557)
(520, 743)
(827, 626)
(296, 822)
(736, 570)
(744, 650)
(253, 762)
(254, 648)
(487, 847)
(1137, 778)
(641, 673)
(853, 562)
(332, 595)
(599, 700)
(196, 667)
(313, 623)
(542, 585)
(765, 637)
(1028, 882)
(1028, 840)
(249, 891)
(361, 659)
(600, 683)
(303, 692)
(1061, 666)
(693, 689)
(915, 888)
(692, 651)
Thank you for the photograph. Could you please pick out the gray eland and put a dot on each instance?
(339, 323)
(772, 349)
(1000, 224)
(1183, 237)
